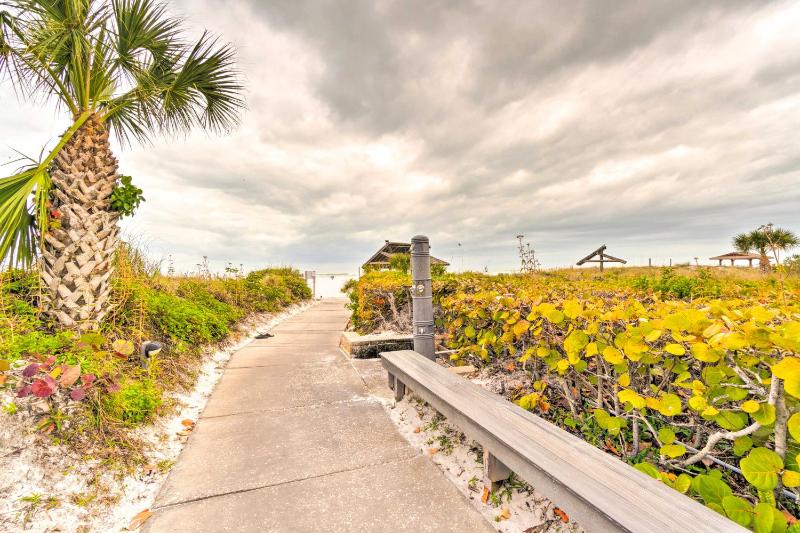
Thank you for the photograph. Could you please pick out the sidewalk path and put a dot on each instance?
(291, 440)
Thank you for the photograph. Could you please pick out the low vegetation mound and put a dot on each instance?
(88, 390)
(691, 376)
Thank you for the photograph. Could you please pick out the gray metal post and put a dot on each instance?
(422, 297)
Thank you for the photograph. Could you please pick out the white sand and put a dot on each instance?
(458, 458)
(29, 467)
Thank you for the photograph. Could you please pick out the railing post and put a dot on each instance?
(422, 297)
(493, 471)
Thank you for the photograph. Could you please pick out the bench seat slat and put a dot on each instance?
(601, 492)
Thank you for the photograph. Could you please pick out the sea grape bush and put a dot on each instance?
(702, 394)
(67, 377)
(113, 391)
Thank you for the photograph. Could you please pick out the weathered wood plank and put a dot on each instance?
(494, 471)
(599, 491)
(399, 390)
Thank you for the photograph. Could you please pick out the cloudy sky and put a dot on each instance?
(658, 128)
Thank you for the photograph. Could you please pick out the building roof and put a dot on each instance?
(735, 255)
(382, 256)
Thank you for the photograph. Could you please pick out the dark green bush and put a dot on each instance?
(673, 285)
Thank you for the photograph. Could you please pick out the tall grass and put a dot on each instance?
(185, 313)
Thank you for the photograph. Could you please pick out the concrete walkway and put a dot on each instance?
(292, 440)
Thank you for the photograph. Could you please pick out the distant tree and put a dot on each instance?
(792, 263)
(438, 269)
(765, 239)
(400, 262)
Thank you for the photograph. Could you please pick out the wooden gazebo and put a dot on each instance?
(600, 256)
(736, 256)
(380, 259)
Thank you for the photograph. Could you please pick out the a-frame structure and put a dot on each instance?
(602, 257)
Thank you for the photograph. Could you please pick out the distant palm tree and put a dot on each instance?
(113, 65)
(764, 239)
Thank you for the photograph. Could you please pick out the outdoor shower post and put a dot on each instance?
(422, 297)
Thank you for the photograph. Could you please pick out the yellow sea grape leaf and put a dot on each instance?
(612, 355)
(787, 336)
(673, 450)
(765, 415)
(520, 328)
(697, 403)
(794, 426)
(669, 405)
(529, 401)
(675, 349)
(653, 336)
(682, 483)
(791, 478)
(761, 314)
(555, 316)
(788, 370)
(624, 379)
(572, 308)
(703, 352)
(631, 397)
(576, 341)
(652, 403)
(750, 406)
(542, 351)
(712, 330)
(591, 349)
(735, 341)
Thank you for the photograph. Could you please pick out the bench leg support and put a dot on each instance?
(493, 471)
(399, 390)
(391, 380)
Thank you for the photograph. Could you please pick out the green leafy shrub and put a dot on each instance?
(96, 380)
(400, 262)
(125, 196)
(136, 401)
(672, 285)
(662, 373)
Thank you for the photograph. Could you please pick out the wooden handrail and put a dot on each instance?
(598, 491)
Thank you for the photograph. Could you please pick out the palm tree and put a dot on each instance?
(766, 238)
(121, 66)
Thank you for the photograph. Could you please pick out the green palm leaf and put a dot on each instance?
(18, 228)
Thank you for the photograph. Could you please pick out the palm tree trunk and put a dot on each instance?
(763, 262)
(77, 259)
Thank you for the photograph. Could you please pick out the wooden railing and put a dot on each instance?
(599, 491)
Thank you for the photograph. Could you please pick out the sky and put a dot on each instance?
(660, 129)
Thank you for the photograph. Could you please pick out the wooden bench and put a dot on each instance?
(600, 492)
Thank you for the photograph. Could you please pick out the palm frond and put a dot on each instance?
(18, 228)
(209, 73)
(783, 239)
(742, 243)
(143, 26)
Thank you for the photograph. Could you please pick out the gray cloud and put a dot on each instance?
(659, 128)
